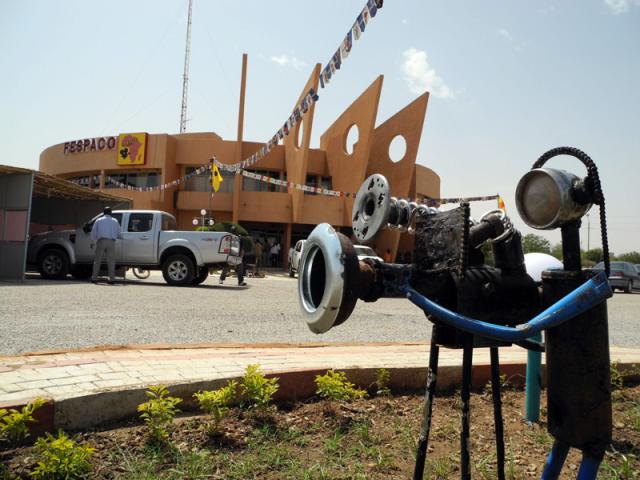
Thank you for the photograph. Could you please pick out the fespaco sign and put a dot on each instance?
(130, 147)
(98, 144)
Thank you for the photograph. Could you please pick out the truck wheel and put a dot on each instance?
(53, 264)
(202, 275)
(291, 272)
(178, 270)
(81, 272)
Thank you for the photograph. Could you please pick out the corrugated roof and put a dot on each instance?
(49, 186)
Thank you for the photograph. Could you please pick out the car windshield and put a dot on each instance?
(614, 266)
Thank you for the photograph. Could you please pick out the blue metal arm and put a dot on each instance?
(586, 296)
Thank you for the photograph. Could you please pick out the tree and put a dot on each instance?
(594, 255)
(632, 257)
(487, 251)
(556, 251)
(535, 243)
(231, 227)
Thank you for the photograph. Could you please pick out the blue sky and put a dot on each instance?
(509, 80)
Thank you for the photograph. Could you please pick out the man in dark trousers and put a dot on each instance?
(105, 232)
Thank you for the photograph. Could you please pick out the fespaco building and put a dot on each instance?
(266, 210)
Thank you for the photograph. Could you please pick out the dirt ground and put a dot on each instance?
(371, 438)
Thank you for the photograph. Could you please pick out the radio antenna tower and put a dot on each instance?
(185, 76)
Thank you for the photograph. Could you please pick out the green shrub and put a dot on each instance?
(335, 386)
(382, 382)
(216, 403)
(257, 391)
(158, 412)
(617, 378)
(13, 423)
(61, 457)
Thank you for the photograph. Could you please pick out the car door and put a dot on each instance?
(298, 254)
(84, 252)
(633, 272)
(138, 244)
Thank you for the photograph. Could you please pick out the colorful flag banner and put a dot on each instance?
(362, 20)
(501, 204)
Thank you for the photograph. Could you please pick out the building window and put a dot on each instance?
(252, 185)
(318, 182)
(132, 179)
(140, 222)
(311, 181)
(202, 182)
(325, 182)
(168, 222)
(91, 181)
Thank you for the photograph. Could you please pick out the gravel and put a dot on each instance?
(41, 315)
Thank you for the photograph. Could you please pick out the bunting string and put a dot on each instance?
(355, 32)
(166, 186)
(441, 201)
(334, 64)
(362, 20)
(309, 99)
(284, 183)
(369, 11)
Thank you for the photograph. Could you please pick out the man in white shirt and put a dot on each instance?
(105, 232)
(275, 254)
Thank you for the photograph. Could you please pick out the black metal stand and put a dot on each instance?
(423, 441)
(497, 411)
(467, 345)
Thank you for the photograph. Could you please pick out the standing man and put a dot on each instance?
(259, 252)
(275, 253)
(105, 232)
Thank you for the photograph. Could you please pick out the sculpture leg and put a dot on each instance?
(555, 461)
(467, 359)
(588, 468)
(423, 441)
(497, 411)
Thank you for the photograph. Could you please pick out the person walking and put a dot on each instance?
(105, 232)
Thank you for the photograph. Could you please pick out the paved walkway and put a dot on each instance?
(110, 381)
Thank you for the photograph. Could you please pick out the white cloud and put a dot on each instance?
(503, 32)
(618, 7)
(517, 46)
(286, 60)
(421, 77)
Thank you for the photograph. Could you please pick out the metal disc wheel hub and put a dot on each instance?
(177, 270)
(52, 264)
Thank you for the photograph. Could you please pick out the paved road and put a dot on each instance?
(40, 315)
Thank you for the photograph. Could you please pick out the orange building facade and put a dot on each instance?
(269, 212)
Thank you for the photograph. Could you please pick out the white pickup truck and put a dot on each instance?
(149, 240)
(295, 254)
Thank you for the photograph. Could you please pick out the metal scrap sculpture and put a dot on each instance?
(474, 305)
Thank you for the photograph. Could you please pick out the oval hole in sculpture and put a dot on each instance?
(351, 138)
(397, 148)
(299, 137)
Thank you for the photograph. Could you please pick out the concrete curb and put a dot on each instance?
(94, 410)
(99, 406)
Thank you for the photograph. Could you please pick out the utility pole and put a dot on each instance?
(185, 76)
